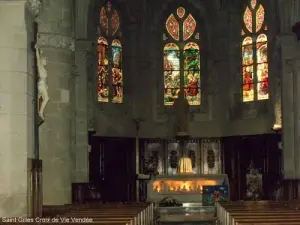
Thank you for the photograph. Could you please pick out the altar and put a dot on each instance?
(186, 188)
(187, 193)
(177, 183)
(186, 175)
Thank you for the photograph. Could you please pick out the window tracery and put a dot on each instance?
(181, 57)
(110, 71)
(254, 53)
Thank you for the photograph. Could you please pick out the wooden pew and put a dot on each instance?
(113, 213)
(131, 214)
(275, 213)
(56, 210)
(255, 210)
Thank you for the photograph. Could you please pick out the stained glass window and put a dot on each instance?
(110, 71)
(255, 74)
(181, 58)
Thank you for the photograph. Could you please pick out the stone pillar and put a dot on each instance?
(56, 42)
(290, 14)
(288, 121)
(291, 119)
(81, 160)
(16, 106)
(296, 105)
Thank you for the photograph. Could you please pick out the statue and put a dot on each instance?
(254, 184)
(182, 111)
(43, 96)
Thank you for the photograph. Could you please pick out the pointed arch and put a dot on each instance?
(254, 49)
(110, 71)
(181, 55)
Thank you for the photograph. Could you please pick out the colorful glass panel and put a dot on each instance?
(110, 76)
(192, 73)
(189, 26)
(116, 43)
(185, 75)
(253, 4)
(248, 19)
(260, 17)
(117, 76)
(180, 12)
(247, 51)
(262, 67)
(262, 50)
(103, 21)
(103, 85)
(115, 22)
(172, 27)
(254, 55)
(262, 81)
(171, 73)
(248, 84)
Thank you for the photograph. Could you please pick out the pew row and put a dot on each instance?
(259, 212)
(56, 210)
(112, 214)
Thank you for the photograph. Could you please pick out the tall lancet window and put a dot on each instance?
(181, 58)
(254, 53)
(110, 73)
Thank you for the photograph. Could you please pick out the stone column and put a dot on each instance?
(16, 106)
(296, 112)
(291, 119)
(56, 42)
(289, 15)
(288, 121)
(80, 163)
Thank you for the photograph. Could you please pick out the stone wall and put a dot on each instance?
(55, 38)
(289, 13)
(16, 106)
(222, 112)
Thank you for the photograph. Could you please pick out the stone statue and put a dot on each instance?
(43, 96)
(181, 106)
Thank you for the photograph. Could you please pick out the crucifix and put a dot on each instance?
(41, 93)
(35, 202)
(37, 120)
(137, 122)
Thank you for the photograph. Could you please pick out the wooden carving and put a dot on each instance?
(211, 158)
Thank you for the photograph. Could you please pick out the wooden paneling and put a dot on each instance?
(112, 168)
(263, 151)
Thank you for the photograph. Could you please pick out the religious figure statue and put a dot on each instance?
(181, 106)
(254, 184)
(43, 96)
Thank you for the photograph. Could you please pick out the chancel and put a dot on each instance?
(150, 112)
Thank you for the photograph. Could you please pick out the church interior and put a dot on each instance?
(144, 112)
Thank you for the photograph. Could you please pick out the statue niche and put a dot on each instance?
(43, 96)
